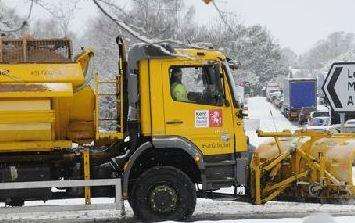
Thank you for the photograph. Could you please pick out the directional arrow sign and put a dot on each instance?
(339, 87)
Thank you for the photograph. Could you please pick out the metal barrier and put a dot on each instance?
(119, 204)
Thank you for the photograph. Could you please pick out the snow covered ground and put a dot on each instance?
(270, 118)
(206, 209)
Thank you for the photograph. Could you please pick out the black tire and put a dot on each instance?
(158, 186)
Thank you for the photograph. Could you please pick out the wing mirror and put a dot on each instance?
(234, 65)
(241, 114)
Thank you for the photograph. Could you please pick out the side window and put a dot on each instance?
(196, 84)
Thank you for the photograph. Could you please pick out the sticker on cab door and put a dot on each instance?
(208, 118)
(215, 118)
(201, 118)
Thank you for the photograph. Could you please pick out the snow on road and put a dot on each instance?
(314, 218)
(268, 114)
(270, 118)
(206, 209)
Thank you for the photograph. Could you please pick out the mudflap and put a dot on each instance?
(23, 174)
(242, 174)
(243, 171)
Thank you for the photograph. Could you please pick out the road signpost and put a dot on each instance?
(339, 88)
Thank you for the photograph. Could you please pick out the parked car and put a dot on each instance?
(280, 101)
(349, 126)
(270, 89)
(275, 100)
(274, 96)
(321, 123)
(316, 114)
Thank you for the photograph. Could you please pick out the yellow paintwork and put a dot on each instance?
(322, 159)
(83, 59)
(33, 146)
(82, 122)
(25, 131)
(73, 112)
(201, 55)
(36, 90)
(86, 166)
(24, 105)
(26, 120)
(33, 116)
(145, 113)
(155, 91)
(42, 73)
(208, 140)
(44, 106)
(107, 137)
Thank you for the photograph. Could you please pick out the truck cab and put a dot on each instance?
(198, 136)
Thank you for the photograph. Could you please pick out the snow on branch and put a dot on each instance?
(5, 24)
(134, 33)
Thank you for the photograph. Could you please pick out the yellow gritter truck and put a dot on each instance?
(179, 132)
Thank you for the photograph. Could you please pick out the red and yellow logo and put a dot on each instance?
(215, 119)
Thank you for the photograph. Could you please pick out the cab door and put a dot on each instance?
(241, 140)
(205, 118)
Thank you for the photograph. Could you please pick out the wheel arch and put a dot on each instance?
(164, 146)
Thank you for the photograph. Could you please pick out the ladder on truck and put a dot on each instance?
(118, 97)
(110, 122)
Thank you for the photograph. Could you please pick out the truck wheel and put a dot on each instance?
(163, 193)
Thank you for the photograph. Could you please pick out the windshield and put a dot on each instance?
(350, 123)
(231, 81)
(320, 114)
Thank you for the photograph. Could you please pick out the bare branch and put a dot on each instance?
(23, 25)
(116, 7)
(64, 12)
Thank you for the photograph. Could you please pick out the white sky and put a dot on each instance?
(294, 23)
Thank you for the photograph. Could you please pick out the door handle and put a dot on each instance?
(174, 121)
(225, 137)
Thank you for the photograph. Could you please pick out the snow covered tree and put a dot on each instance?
(156, 20)
(289, 57)
(11, 25)
(161, 19)
(335, 45)
(46, 29)
(259, 53)
(62, 12)
(253, 46)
